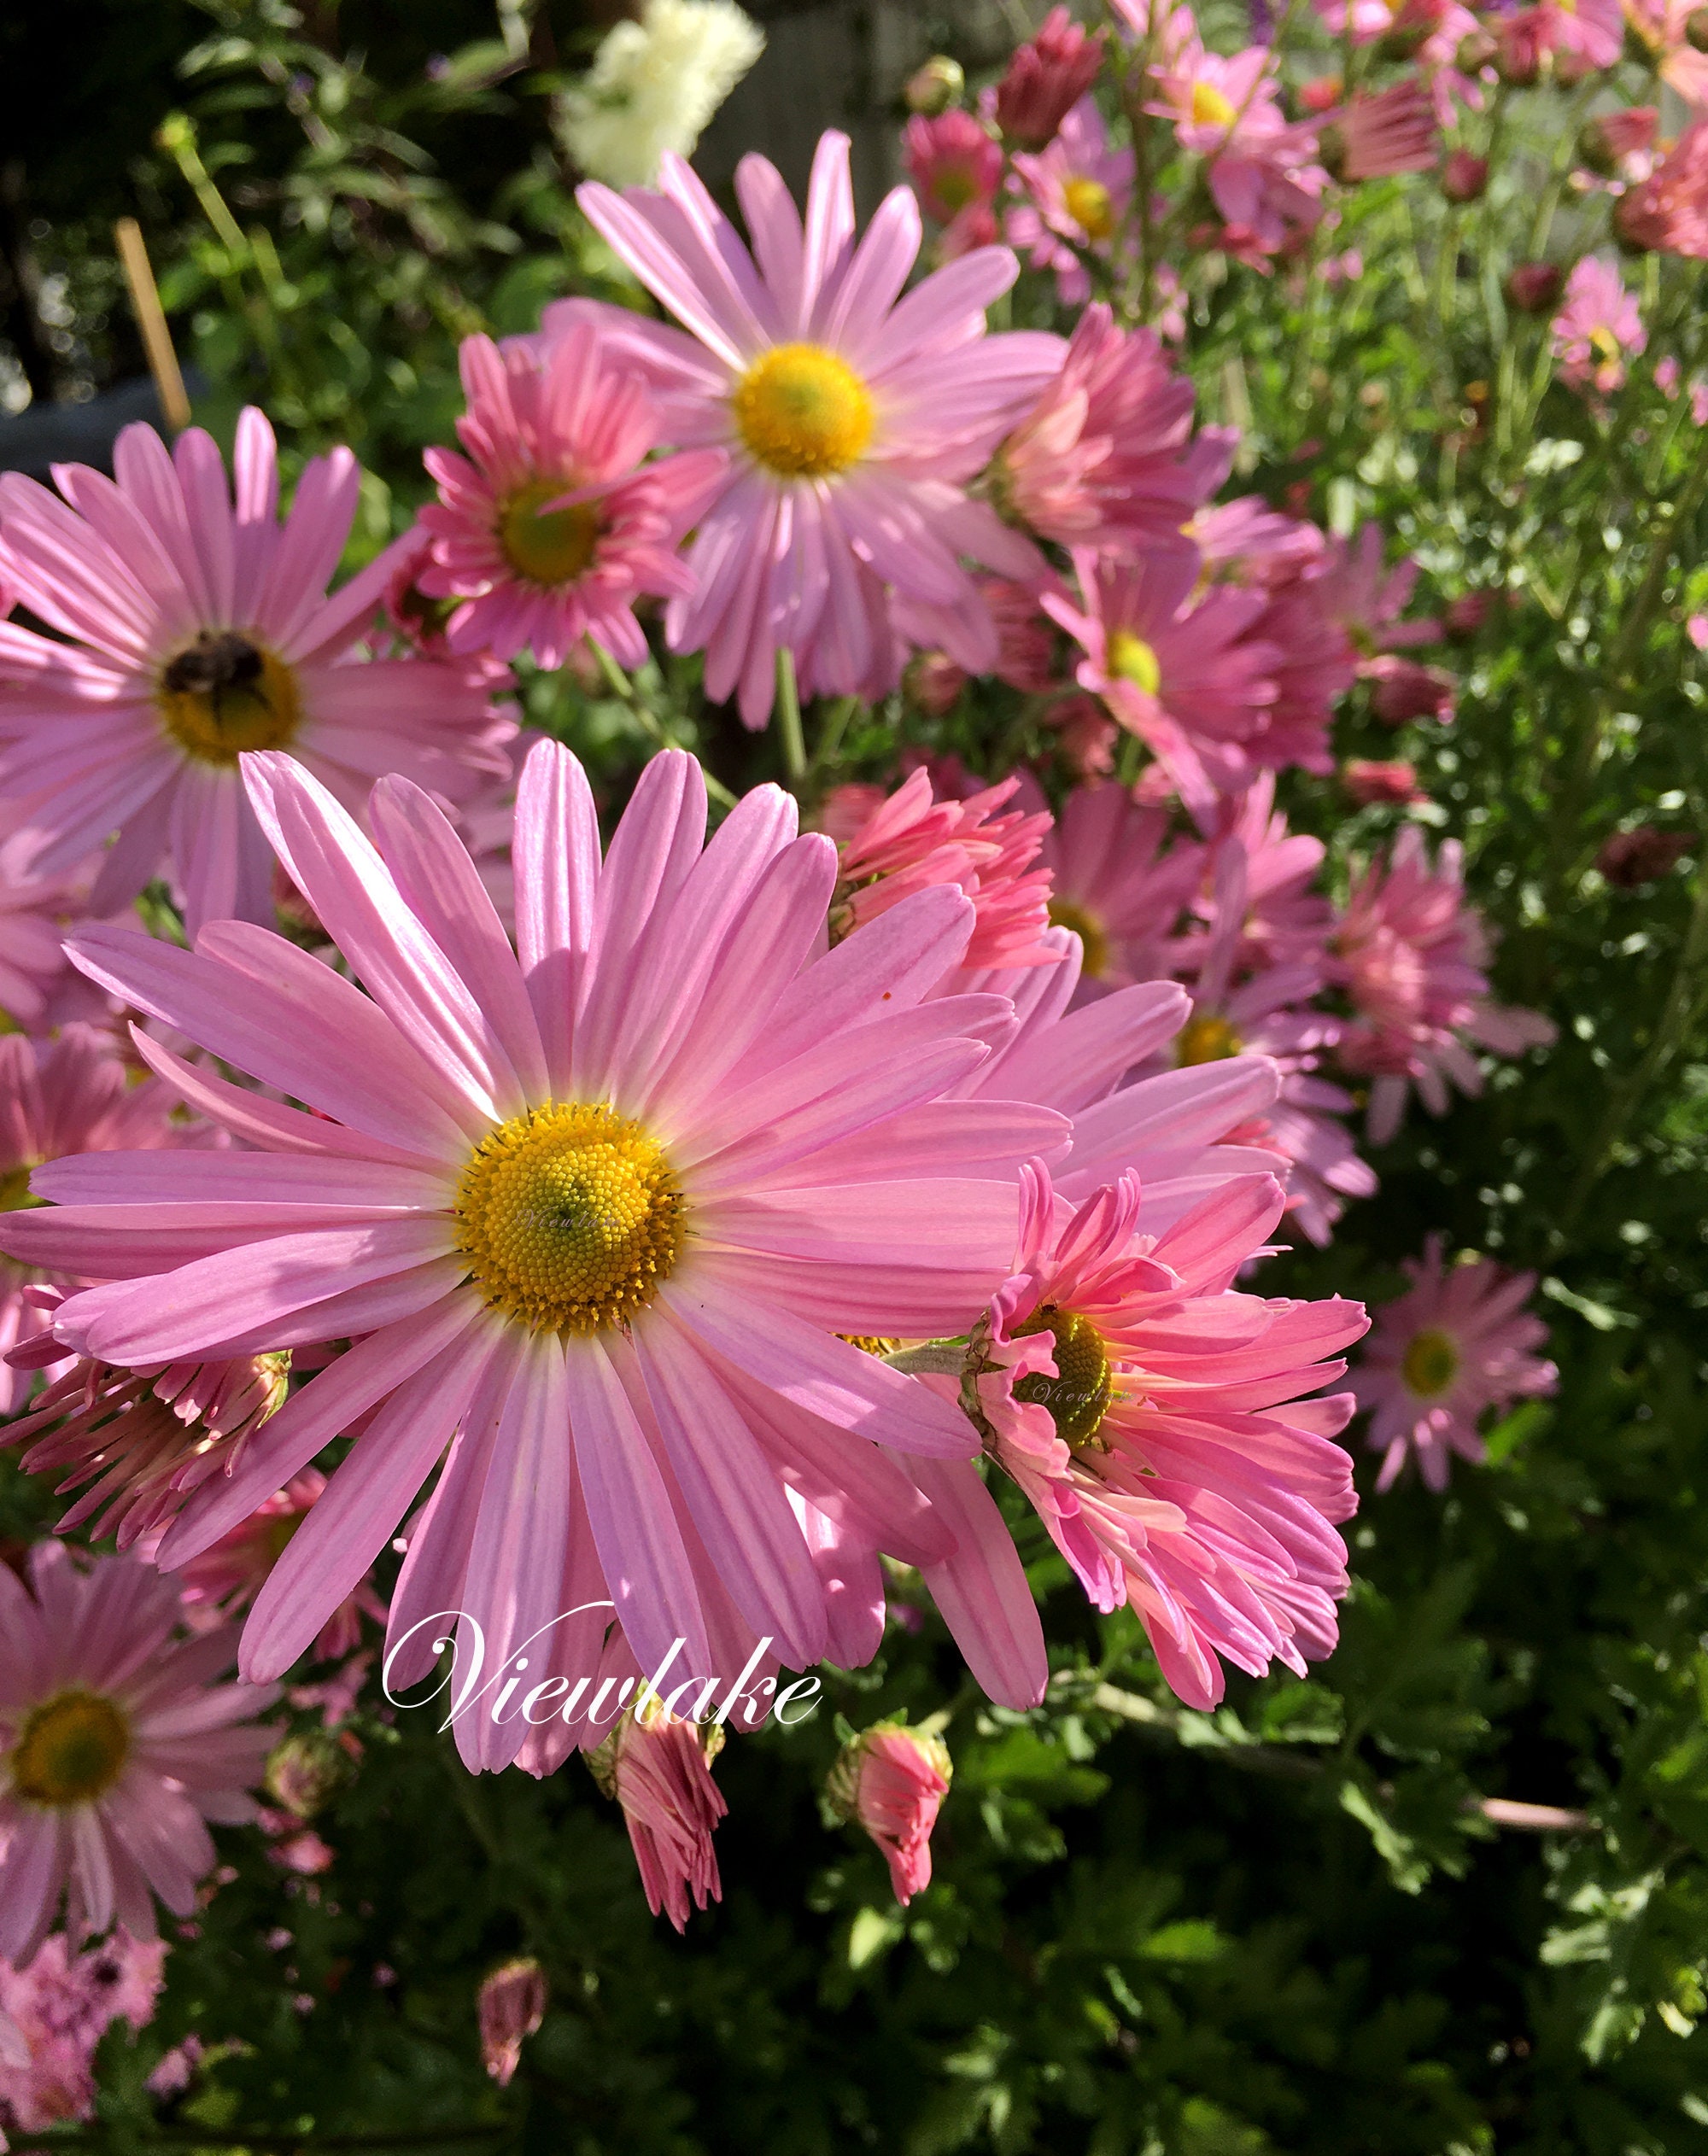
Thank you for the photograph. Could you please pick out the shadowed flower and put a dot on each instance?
(1119, 884)
(1457, 1341)
(891, 1780)
(511, 2007)
(224, 1580)
(952, 162)
(658, 1768)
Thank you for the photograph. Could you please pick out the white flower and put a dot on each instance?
(653, 85)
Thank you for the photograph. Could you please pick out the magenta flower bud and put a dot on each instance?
(1463, 617)
(1046, 79)
(891, 1780)
(1369, 782)
(511, 2007)
(658, 1768)
(934, 88)
(304, 1773)
(1533, 287)
(1401, 689)
(1631, 858)
(933, 683)
(1463, 177)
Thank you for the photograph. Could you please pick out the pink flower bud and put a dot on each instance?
(1463, 177)
(512, 2005)
(1367, 782)
(1046, 79)
(1631, 858)
(1533, 287)
(1463, 617)
(933, 683)
(658, 1768)
(893, 1779)
(1403, 690)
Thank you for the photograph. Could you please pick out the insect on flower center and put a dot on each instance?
(570, 1217)
(1208, 1039)
(1130, 658)
(1077, 1397)
(225, 693)
(1089, 207)
(1430, 1363)
(547, 545)
(1210, 108)
(1094, 941)
(72, 1750)
(804, 413)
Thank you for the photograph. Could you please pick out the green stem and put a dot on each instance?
(830, 734)
(789, 721)
(622, 688)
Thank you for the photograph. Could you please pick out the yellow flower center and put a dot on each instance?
(1089, 206)
(1130, 658)
(547, 545)
(1603, 341)
(1208, 1039)
(1430, 1363)
(1210, 108)
(871, 1343)
(15, 1189)
(570, 1217)
(225, 693)
(803, 412)
(1077, 1397)
(955, 186)
(1094, 942)
(72, 1750)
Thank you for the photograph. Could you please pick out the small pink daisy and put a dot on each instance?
(891, 1780)
(1260, 171)
(658, 1768)
(1598, 325)
(1079, 192)
(853, 417)
(53, 2016)
(1589, 31)
(189, 630)
(954, 163)
(1119, 884)
(1367, 598)
(115, 1745)
(1377, 134)
(1456, 1343)
(1669, 210)
(552, 526)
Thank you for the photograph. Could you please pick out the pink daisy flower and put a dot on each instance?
(1410, 951)
(852, 417)
(115, 1745)
(552, 526)
(1598, 324)
(1079, 192)
(1377, 134)
(1316, 667)
(891, 1780)
(1669, 210)
(191, 631)
(1589, 31)
(658, 1768)
(1119, 884)
(53, 2016)
(1367, 598)
(1156, 1421)
(1183, 673)
(1046, 77)
(35, 912)
(225, 1579)
(954, 163)
(1456, 1343)
(1260, 171)
(596, 1209)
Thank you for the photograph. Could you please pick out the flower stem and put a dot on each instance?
(789, 720)
(625, 691)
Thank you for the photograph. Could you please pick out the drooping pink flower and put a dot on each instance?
(1411, 952)
(1045, 78)
(53, 2015)
(552, 525)
(1262, 172)
(1457, 1341)
(1106, 458)
(1374, 135)
(1119, 886)
(72, 1095)
(658, 1767)
(1394, 785)
(1077, 195)
(190, 631)
(1590, 32)
(115, 1745)
(1599, 325)
(1186, 675)
(953, 162)
(1245, 541)
(909, 840)
(225, 1579)
(510, 2009)
(1668, 211)
(1156, 1421)
(852, 419)
(718, 1129)
(891, 1780)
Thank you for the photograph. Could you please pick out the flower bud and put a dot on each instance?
(1463, 177)
(891, 1780)
(933, 683)
(1462, 618)
(306, 1771)
(511, 2007)
(1631, 858)
(1696, 29)
(1402, 689)
(1534, 287)
(934, 88)
(1392, 784)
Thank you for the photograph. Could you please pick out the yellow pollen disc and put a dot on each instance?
(1078, 1395)
(870, 1343)
(1094, 942)
(1208, 1039)
(803, 412)
(1430, 1363)
(954, 187)
(1604, 341)
(15, 1189)
(570, 1218)
(72, 1750)
(1089, 206)
(1210, 108)
(225, 693)
(547, 546)
(1130, 658)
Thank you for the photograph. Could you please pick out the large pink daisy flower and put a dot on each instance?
(115, 1745)
(597, 1208)
(193, 630)
(853, 417)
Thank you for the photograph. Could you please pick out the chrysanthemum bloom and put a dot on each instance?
(1045, 78)
(1456, 1343)
(1262, 172)
(1119, 884)
(1599, 325)
(1374, 135)
(1411, 953)
(69, 1096)
(1668, 211)
(1185, 674)
(1245, 541)
(136, 1443)
(1394, 785)
(1106, 458)
(115, 1745)
(953, 161)
(910, 840)
(891, 1780)
(1156, 1421)
(1079, 192)
(1316, 666)
(1591, 31)
(224, 1580)
(653, 86)
(1664, 26)
(35, 912)
(658, 1768)
(552, 526)
(1367, 598)
(194, 632)
(53, 2016)
(511, 2007)
(852, 417)
(600, 1207)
